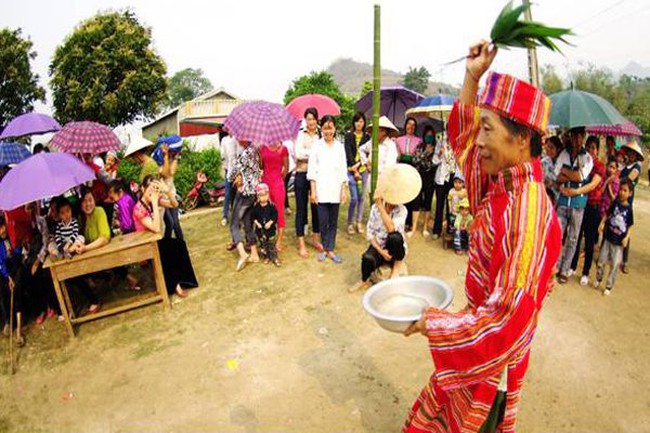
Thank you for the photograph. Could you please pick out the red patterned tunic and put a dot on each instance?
(515, 244)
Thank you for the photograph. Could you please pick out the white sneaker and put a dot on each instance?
(436, 237)
(584, 280)
(224, 222)
(571, 273)
(607, 292)
(426, 233)
(596, 284)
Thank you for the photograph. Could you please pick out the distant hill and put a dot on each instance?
(636, 70)
(350, 76)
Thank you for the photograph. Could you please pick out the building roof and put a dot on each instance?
(202, 97)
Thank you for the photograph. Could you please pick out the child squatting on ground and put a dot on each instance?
(616, 227)
(265, 217)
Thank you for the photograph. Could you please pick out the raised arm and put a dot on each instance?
(463, 125)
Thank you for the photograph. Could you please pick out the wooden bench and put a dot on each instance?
(120, 251)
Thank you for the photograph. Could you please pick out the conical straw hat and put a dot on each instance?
(384, 122)
(633, 145)
(136, 144)
(399, 184)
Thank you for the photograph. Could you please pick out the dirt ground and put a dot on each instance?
(289, 350)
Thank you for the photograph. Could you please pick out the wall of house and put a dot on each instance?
(220, 95)
(166, 126)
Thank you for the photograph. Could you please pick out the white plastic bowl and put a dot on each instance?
(398, 302)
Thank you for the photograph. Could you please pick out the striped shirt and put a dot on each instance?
(66, 233)
(515, 242)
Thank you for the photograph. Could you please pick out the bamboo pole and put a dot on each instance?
(533, 67)
(376, 101)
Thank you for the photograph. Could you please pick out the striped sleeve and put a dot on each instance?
(462, 129)
(474, 345)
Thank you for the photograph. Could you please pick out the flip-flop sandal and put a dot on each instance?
(336, 259)
(319, 247)
(95, 310)
(322, 257)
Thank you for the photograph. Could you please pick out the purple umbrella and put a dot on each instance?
(85, 137)
(41, 176)
(262, 122)
(30, 123)
(395, 100)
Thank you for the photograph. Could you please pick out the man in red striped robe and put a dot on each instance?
(481, 352)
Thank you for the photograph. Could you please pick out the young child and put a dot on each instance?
(123, 213)
(7, 285)
(610, 187)
(461, 227)
(67, 234)
(616, 227)
(265, 217)
(454, 198)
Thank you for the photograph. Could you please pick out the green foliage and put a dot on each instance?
(18, 85)
(551, 81)
(367, 87)
(208, 160)
(509, 31)
(129, 170)
(323, 83)
(186, 85)
(417, 79)
(191, 162)
(107, 71)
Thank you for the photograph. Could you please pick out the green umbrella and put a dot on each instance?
(573, 108)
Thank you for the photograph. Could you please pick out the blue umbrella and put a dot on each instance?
(13, 153)
(437, 106)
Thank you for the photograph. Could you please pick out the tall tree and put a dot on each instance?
(108, 71)
(366, 87)
(551, 81)
(186, 85)
(18, 85)
(417, 79)
(323, 83)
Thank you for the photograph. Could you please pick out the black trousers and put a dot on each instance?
(301, 188)
(588, 230)
(425, 198)
(372, 259)
(328, 215)
(172, 223)
(442, 209)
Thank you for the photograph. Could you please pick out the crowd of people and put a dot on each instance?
(593, 196)
(84, 219)
(585, 191)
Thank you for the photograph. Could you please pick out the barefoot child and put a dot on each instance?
(265, 217)
(616, 227)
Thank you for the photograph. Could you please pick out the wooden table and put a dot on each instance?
(120, 251)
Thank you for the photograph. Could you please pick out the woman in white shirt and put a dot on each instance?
(444, 158)
(301, 150)
(328, 177)
(387, 153)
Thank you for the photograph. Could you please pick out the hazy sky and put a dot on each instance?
(255, 48)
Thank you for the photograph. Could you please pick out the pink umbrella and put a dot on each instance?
(628, 129)
(262, 122)
(86, 137)
(324, 105)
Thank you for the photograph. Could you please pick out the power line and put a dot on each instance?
(608, 8)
